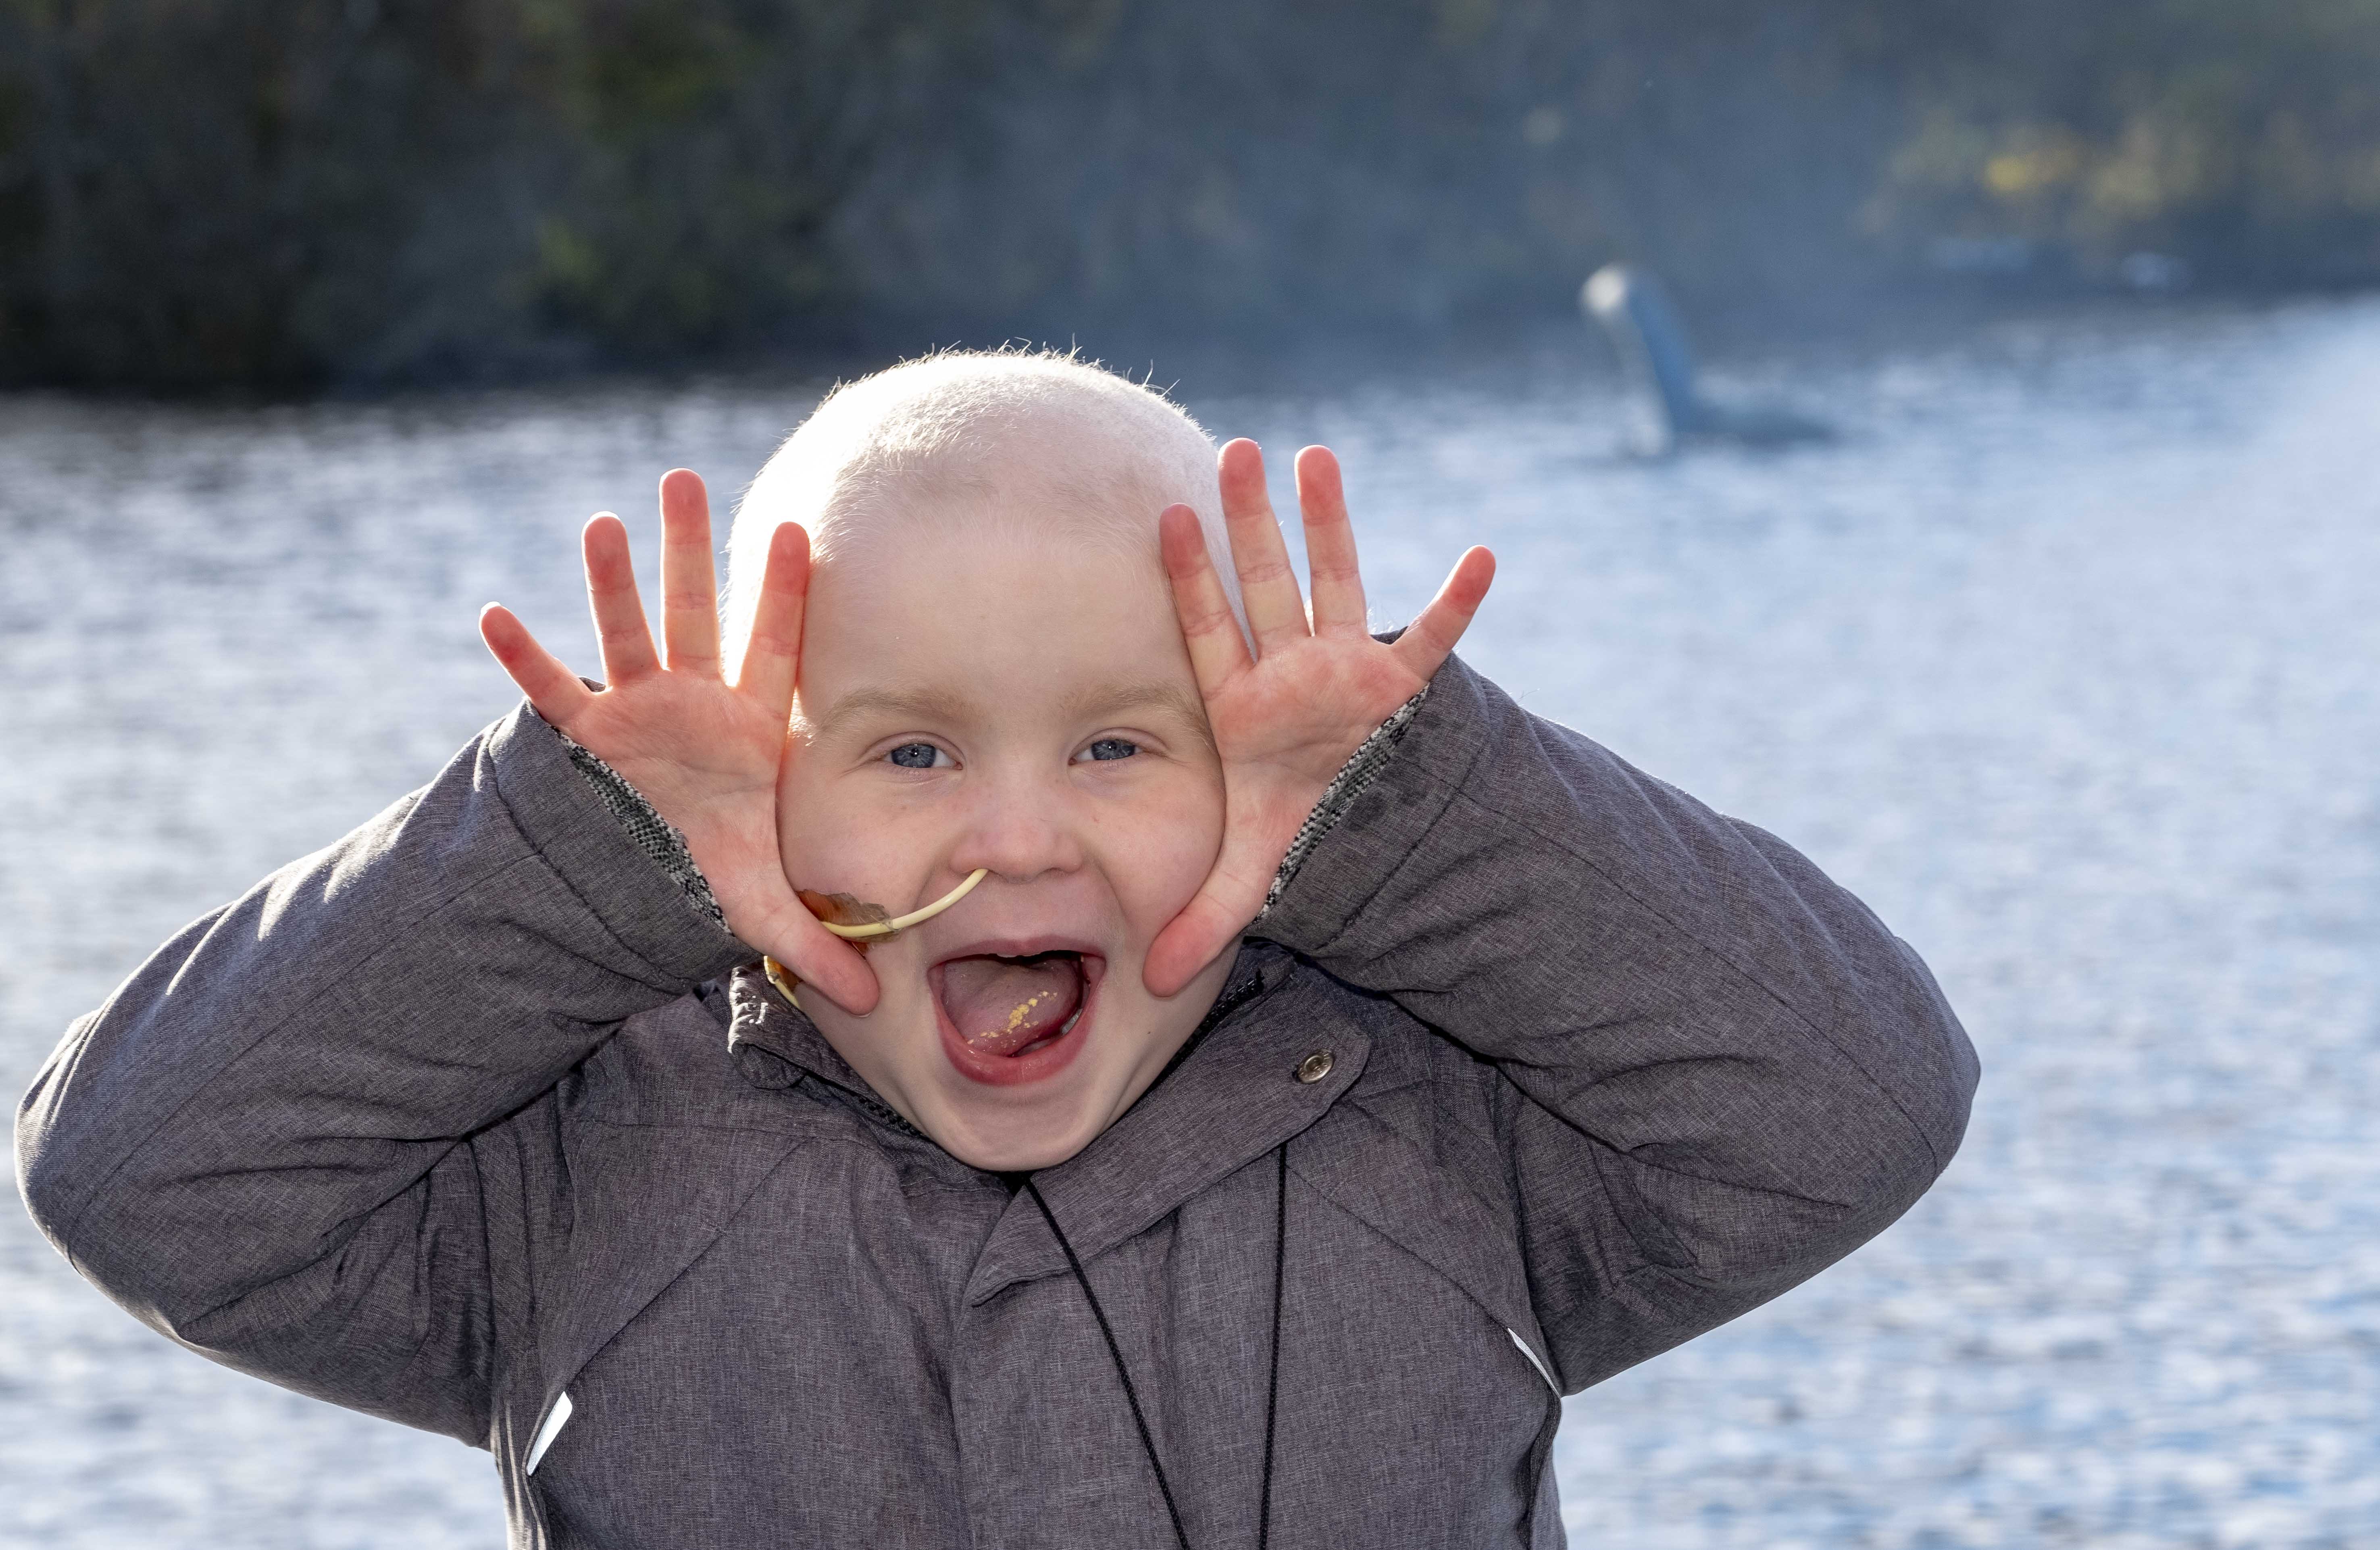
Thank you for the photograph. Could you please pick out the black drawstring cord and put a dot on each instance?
(1115, 1353)
(1132, 1395)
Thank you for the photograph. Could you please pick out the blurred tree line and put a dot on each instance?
(285, 194)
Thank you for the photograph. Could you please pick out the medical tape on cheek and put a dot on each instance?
(861, 924)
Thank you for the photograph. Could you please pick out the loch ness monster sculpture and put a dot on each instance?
(1651, 339)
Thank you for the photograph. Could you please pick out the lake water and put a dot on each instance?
(2066, 657)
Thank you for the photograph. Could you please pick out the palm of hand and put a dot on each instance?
(700, 754)
(1287, 717)
(703, 752)
(1285, 728)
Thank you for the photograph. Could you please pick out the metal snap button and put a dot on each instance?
(1314, 1066)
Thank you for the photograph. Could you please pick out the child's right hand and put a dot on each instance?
(703, 752)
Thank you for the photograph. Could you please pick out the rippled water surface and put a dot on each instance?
(2066, 657)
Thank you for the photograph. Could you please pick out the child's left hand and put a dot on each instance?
(1286, 720)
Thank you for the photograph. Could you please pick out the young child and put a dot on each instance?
(1331, 1065)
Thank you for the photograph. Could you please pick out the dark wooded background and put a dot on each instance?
(293, 194)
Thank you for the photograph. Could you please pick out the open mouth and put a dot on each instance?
(1010, 1017)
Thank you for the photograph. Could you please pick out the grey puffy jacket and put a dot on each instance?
(456, 1123)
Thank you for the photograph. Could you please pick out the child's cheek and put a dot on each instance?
(839, 835)
(1172, 850)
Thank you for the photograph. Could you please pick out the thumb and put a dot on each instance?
(790, 934)
(1429, 639)
(1206, 926)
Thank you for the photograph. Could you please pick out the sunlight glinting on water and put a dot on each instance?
(2066, 658)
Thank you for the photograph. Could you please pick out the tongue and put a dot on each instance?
(999, 1006)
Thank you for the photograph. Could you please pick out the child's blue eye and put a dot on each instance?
(915, 756)
(1112, 748)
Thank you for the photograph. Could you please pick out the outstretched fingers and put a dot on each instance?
(1217, 650)
(689, 582)
(1268, 584)
(1430, 637)
(620, 630)
(1336, 582)
(554, 690)
(772, 653)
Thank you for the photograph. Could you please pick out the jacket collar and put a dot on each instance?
(1233, 1095)
(774, 1045)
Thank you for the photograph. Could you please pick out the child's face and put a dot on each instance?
(1004, 695)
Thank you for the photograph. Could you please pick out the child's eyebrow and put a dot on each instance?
(1098, 700)
(918, 704)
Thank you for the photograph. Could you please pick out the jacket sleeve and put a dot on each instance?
(1720, 1071)
(261, 1145)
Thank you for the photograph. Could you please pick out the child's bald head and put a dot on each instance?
(1011, 439)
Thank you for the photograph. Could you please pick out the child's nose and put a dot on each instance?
(1020, 834)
